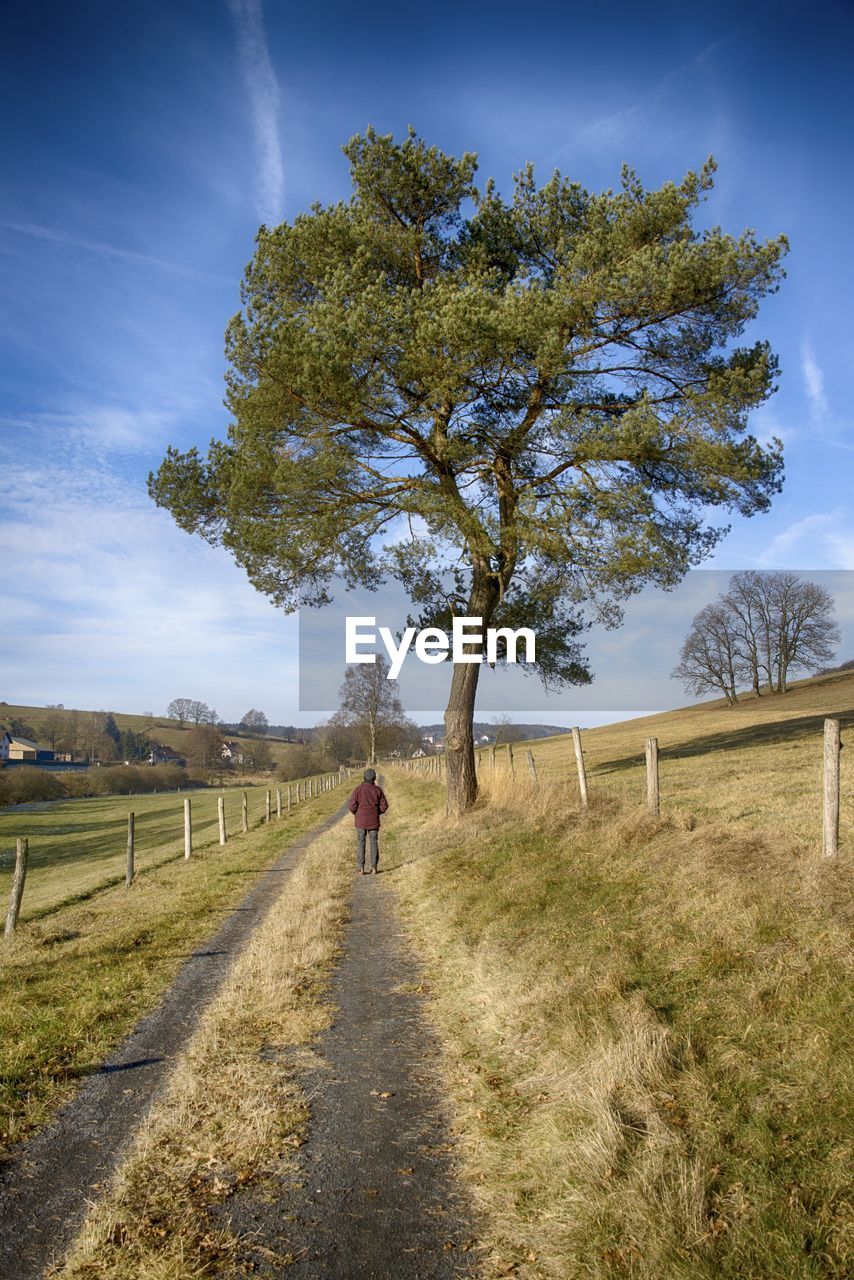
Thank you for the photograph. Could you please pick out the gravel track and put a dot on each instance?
(47, 1183)
(378, 1198)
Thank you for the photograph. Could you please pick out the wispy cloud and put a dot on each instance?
(611, 127)
(823, 540)
(120, 607)
(263, 89)
(96, 429)
(814, 383)
(56, 236)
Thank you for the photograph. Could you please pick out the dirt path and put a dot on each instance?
(45, 1184)
(378, 1198)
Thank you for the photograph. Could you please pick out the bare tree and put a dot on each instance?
(179, 709)
(204, 749)
(748, 605)
(506, 730)
(255, 722)
(201, 713)
(370, 705)
(765, 626)
(52, 727)
(70, 736)
(709, 660)
(806, 633)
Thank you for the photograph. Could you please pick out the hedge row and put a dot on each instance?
(26, 786)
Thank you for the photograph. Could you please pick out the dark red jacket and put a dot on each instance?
(368, 802)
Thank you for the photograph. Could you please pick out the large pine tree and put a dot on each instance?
(544, 391)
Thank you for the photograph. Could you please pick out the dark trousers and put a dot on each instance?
(360, 848)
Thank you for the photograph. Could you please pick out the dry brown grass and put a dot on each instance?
(232, 1110)
(645, 1032)
(755, 766)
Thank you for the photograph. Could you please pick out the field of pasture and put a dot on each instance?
(755, 766)
(91, 956)
(79, 846)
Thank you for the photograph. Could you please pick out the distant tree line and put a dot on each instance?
(85, 735)
(191, 711)
(763, 628)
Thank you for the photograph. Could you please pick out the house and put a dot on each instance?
(161, 754)
(14, 748)
(231, 752)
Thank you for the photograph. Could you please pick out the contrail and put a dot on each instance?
(57, 236)
(263, 92)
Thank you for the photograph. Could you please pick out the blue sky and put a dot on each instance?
(142, 145)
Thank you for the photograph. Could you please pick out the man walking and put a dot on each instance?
(367, 802)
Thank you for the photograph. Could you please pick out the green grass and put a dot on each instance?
(73, 983)
(647, 1032)
(78, 846)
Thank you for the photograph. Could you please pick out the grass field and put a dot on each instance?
(74, 982)
(646, 1026)
(757, 765)
(76, 846)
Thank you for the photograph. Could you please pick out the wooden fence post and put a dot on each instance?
(653, 800)
(22, 853)
(188, 828)
(220, 805)
(244, 813)
(579, 760)
(289, 797)
(492, 757)
(278, 802)
(268, 807)
(830, 831)
(510, 758)
(531, 766)
(131, 870)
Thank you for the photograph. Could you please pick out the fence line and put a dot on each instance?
(22, 853)
(131, 869)
(830, 789)
(311, 787)
(832, 748)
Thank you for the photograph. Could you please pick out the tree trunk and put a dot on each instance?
(459, 739)
(459, 714)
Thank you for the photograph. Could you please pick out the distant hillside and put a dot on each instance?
(520, 731)
(751, 735)
(158, 729)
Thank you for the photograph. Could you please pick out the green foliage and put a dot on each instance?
(546, 391)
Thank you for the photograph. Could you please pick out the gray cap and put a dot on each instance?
(370, 775)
